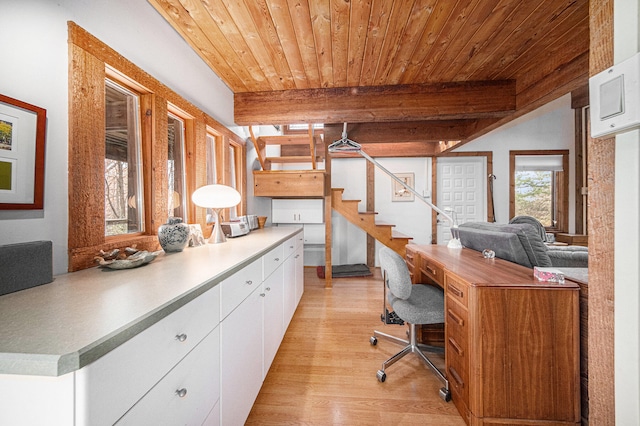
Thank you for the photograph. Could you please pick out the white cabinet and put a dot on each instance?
(32, 400)
(108, 387)
(253, 330)
(241, 359)
(202, 364)
(273, 327)
(302, 210)
(187, 393)
(299, 273)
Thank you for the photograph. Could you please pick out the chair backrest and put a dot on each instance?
(398, 278)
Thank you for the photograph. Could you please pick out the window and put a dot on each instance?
(123, 209)
(155, 145)
(175, 167)
(540, 187)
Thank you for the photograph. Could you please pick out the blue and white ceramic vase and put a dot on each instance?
(173, 235)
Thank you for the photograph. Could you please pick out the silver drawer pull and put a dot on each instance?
(249, 282)
(181, 337)
(268, 288)
(181, 392)
(263, 294)
(277, 259)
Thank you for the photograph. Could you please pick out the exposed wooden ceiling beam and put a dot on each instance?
(416, 131)
(442, 101)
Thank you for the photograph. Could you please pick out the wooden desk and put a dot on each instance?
(512, 343)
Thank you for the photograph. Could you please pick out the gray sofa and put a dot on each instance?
(521, 243)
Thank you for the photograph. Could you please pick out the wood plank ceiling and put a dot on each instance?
(437, 69)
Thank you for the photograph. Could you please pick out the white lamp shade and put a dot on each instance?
(216, 197)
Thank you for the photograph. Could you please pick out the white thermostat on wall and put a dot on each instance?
(614, 98)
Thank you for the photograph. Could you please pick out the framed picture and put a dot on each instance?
(22, 130)
(399, 192)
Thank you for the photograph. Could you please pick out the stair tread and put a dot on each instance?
(385, 224)
(396, 234)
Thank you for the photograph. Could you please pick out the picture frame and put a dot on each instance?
(399, 192)
(22, 147)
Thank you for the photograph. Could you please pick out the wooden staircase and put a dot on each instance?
(382, 232)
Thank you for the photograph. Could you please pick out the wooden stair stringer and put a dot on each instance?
(382, 232)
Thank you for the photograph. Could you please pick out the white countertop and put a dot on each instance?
(57, 328)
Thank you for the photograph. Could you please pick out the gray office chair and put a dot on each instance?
(413, 303)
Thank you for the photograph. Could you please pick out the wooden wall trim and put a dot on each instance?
(601, 181)
(562, 187)
(489, 159)
(90, 62)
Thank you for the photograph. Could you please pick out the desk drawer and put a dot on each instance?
(410, 258)
(432, 270)
(457, 290)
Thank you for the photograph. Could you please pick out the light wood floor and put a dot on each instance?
(325, 370)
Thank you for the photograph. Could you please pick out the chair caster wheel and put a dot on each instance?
(445, 394)
(381, 375)
(373, 340)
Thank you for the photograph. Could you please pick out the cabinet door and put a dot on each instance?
(187, 394)
(241, 359)
(290, 302)
(297, 211)
(299, 273)
(273, 316)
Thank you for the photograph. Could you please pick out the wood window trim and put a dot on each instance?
(562, 186)
(90, 63)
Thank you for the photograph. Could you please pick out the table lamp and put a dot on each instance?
(216, 198)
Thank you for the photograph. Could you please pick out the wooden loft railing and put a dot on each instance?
(300, 148)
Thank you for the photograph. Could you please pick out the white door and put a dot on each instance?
(461, 186)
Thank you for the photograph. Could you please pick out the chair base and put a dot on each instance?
(411, 346)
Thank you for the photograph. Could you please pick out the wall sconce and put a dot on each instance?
(216, 197)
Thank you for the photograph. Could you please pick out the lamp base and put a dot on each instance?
(217, 236)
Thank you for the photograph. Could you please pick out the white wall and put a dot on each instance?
(627, 236)
(34, 70)
(410, 218)
(548, 127)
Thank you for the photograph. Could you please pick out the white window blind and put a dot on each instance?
(539, 163)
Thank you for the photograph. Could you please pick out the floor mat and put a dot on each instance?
(343, 271)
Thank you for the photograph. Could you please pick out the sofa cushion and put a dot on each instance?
(495, 236)
(506, 245)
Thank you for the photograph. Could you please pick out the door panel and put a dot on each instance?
(461, 185)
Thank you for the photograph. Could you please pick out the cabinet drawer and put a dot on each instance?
(271, 261)
(187, 393)
(111, 385)
(289, 247)
(300, 239)
(457, 290)
(236, 288)
(432, 270)
(456, 319)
